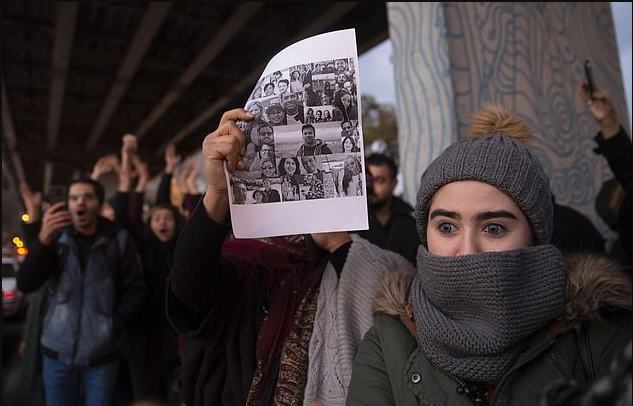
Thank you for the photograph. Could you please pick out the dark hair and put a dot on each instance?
(260, 192)
(269, 84)
(282, 166)
(96, 185)
(261, 168)
(178, 218)
(283, 80)
(303, 127)
(347, 121)
(265, 125)
(354, 149)
(383, 160)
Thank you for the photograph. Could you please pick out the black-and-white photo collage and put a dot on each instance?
(304, 142)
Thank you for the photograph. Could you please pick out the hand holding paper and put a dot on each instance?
(226, 144)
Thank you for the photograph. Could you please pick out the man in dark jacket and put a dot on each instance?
(391, 222)
(94, 285)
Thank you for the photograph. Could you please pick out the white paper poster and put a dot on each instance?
(304, 163)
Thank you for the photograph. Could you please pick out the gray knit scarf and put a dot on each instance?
(472, 312)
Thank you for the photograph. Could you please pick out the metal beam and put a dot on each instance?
(65, 22)
(334, 13)
(151, 22)
(232, 26)
(63, 42)
(8, 133)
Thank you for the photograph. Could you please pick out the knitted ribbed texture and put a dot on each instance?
(500, 161)
(472, 312)
(344, 314)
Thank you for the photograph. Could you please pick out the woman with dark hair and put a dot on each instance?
(259, 196)
(494, 313)
(345, 103)
(349, 145)
(289, 166)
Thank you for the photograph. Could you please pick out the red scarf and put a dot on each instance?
(284, 337)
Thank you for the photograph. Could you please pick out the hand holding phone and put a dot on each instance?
(589, 78)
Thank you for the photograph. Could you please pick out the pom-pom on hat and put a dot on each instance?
(495, 152)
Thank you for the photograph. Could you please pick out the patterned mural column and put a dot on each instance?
(425, 102)
(452, 58)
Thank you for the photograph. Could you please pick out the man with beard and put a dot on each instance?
(94, 285)
(311, 144)
(391, 222)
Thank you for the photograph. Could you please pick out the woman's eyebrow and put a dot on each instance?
(444, 213)
(487, 215)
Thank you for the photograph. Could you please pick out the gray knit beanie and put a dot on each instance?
(500, 161)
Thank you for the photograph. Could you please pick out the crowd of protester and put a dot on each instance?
(480, 294)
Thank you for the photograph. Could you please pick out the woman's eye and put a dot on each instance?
(494, 229)
(446, 228)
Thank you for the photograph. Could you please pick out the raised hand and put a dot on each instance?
(105, 164)
(171, 158)
(602, 110)
(143, 173)
(32, 201)
(226, 144)
(55, 218)
(130, 144)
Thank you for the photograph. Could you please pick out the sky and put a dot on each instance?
(375, 63)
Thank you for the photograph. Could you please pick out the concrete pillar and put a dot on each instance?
(452, 58)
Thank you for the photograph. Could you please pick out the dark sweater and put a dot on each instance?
(218, 299)
(399, 234)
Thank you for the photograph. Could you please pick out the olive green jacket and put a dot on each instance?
(391, 369)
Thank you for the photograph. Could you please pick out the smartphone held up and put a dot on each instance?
(591, 87)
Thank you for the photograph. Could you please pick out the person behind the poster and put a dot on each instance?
(259, 323)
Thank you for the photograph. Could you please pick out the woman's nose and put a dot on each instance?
(469, 244)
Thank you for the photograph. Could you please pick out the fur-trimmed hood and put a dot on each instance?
(594, 283)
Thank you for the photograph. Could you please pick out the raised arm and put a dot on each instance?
(136, 198)
(40, 261)
(613, 142)
(196, 279)
(164, 187)
(193, 196)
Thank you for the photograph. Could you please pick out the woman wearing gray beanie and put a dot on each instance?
(494, 313)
